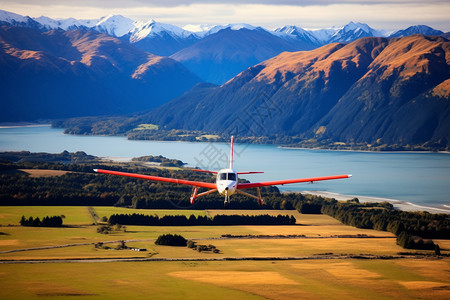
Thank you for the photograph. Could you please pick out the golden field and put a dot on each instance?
(321, 266)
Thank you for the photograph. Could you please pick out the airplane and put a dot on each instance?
(226, 183)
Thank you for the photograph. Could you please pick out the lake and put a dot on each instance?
(419, 178)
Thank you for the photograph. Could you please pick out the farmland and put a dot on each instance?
(251, 263)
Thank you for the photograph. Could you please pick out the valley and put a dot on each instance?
(307, 93)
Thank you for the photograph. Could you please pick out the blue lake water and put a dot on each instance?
(419, 178)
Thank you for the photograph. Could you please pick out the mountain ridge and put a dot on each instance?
(79, 72)
(208, 51)
(372, 91)
(136, 31)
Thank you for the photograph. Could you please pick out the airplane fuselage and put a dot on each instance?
(226, 181)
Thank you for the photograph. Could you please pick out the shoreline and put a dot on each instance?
(398, 204)
(363, 151)
(7, 125)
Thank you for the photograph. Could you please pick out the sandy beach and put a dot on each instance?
(399, 204)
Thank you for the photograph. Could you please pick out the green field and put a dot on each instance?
(337, 277)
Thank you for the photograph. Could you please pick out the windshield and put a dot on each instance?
(232, 176)
(227, 176)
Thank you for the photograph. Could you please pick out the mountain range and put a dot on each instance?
(373, 91)
(57, 74)
(208, 51)
(366, 86)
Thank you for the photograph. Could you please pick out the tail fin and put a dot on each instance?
(231, 153)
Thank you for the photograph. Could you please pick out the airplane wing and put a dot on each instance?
(157, 178)
(288, 181)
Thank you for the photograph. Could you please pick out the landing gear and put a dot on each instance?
(227, 198)
(195, 194)
(260, 200)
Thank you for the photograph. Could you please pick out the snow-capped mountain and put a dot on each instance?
(318, 37)
(153, 28)
(159, 38)
(166, 39)
(353, 31)
(115, 25)
(13, 19)
(9, 17)
(234, 26)
(323, 35)
(422, 29)
(297, 33)
(66, 24)
(199, 29)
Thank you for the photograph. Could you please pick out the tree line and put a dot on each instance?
(54, 221)
(126, 126)
(181, 220)
(83, 187)
(414, 230)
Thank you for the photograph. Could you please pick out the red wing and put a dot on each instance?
(157, 178)
(282, 182)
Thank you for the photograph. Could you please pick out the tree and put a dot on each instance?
(437, 250)
(171, 240)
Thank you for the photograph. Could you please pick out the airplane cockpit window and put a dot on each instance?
(232, 176)
(227, 176)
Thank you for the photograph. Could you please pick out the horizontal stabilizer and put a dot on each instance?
(240, 173)
(204, 171)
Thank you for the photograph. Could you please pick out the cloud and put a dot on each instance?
(174, 3)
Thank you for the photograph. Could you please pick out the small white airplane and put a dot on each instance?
(226, 181)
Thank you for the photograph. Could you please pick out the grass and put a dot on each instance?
(147, 127)
(44, 173)
(208, 137)
(331, 279)
(311, 279)
(75, 215)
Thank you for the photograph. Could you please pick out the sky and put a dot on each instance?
(270, 14)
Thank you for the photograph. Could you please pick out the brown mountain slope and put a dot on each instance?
(373, 90)
(72, 73)
(402, 99)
